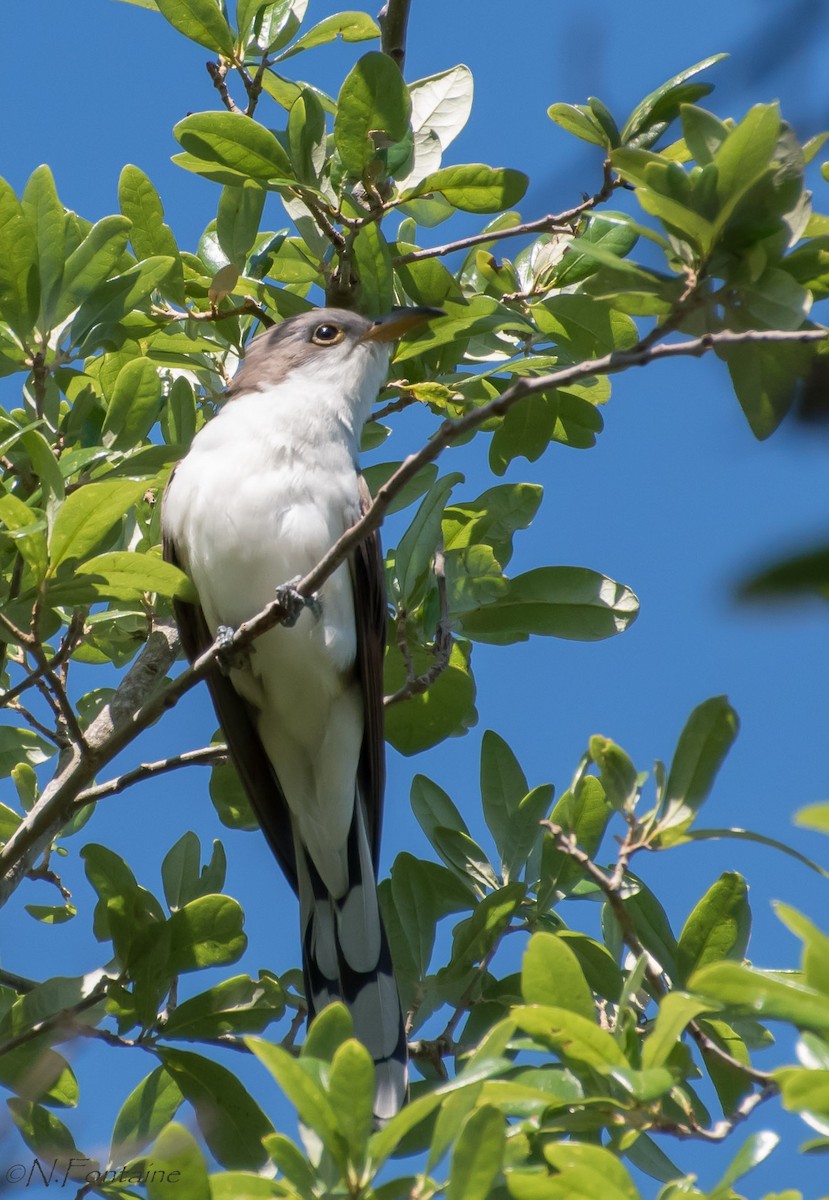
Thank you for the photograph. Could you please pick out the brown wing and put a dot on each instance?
(368, 581)
(239, 728)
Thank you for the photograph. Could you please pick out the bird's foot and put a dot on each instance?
(294, 603)
(229, 658)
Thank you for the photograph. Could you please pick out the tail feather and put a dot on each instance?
(346, 957)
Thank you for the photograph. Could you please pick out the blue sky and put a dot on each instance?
(677, 499)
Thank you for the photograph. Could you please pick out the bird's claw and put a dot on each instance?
(228, 657)
(294, 603)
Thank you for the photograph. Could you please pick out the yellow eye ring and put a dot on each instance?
(327, 335)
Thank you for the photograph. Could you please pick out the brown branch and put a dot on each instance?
(17, 635)
(139, 702)
(218, 72)
(19, 983)
(416, 685)
(393, 19)
(552, 223)
(70, 640)
(722, 1129)
(207, 756)
(403, 401)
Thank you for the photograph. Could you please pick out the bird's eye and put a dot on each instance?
(327, 335)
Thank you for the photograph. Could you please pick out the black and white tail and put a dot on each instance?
(345, 956)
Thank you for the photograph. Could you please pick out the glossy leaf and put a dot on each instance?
(134, 406)
(206, 932)
(237, 220)
(312, 1104)
(46, 217)
(718, 926)
(551, 975)
(746, 990)
(200, 20)
(150, 1106)
(88, 515)
(351, 1092)
(477, 1155)
(350, 26)
(475, 187)
(234, 1006)
(567, 602)
(702, 747)
(441, 105)
(231, 1122)
(373, 98)
(417, 546)
(176, 1156)
(570, 1035)
(234, 142)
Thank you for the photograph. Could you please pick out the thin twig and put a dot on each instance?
(722, 1129)
(553, 223)
(207, 756)
(19, 983)
(218, 72)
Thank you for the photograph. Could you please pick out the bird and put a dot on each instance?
(265, 489)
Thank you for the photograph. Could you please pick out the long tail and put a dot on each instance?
(345, 956)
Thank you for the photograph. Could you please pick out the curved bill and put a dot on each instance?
(399, 321)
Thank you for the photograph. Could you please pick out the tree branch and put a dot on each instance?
(218, 72)
(207, 756)
(393, 19)
(558, 223)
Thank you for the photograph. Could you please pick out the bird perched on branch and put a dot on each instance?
(265, 490)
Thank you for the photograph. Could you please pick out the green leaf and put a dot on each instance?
(582, 327)
(150, 1106)
(753, 1151)
(141, 205)
(327, 1032)
(235, 142)
(570, 1035)
(474, 187)
(183, 877)
(815, 946)
(703, 745)
(814, 816)
(718, 926)
(675, 1011)
(474, 938)
(134, 406)
(19, 282)
(464, 856)
(618, 775)
(350, 26)
(46, 1135)
(661, 105)
(47, 219)
(745, 154)
(551, 974)
(583, 812)
(307, 137)
(351, 1092)
(25, 527)
(373, 99)
(92, 263)
(566, 602)
(231, 1122)
(200, 20)
(51, 914)
(593, 1168)
(35, 1072)
(229, 796)
(374, 270)
(579, 120)
(113, 300)
(748, 991)
(121, 575)
(492, 518)
(88, 515)
(176, 1157)
(237, 220)
(477, 1155)
(503, 786)
(766, 378)
(446, 709)
(416, 548)
(234, 1006)
(206, 932)
(313, 1106)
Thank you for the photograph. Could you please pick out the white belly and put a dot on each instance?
(249, 509)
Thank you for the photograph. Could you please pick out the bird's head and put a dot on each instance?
(328, 347)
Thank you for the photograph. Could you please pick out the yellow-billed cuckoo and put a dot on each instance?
(265, 490)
